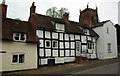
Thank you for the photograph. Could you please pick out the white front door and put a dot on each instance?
(78, 48)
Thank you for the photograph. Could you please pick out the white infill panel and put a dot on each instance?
(61, 36)
(66, 44)
(61, 52)
(59, 60)
(89, 38)
(77, 37)
(66, 37)
(84, 48)
(71, 37)
(55, 52)
(48, 52)
(39, 33)
(69, 59)
(83, 38)
(41, 52)
(67, 52)
(54, 35)
(47, 34)
(72, 45)
(43, 61)
(72, 59)
(72, 52)
(61, 45)
(41, 44)
(94, 39)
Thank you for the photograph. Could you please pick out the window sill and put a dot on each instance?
(17, 63)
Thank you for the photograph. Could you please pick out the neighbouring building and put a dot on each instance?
(19, 44)
(107, 41)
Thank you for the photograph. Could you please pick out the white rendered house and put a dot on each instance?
(107, 41)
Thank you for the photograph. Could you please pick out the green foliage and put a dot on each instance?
(54, 12)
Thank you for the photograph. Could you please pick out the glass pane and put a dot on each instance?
(22, 37)
(47, 43)
(77, 46)
(54, 44)
(15, 59)
(16, 36)
(21, 58)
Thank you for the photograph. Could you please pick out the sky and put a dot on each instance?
(107, 9)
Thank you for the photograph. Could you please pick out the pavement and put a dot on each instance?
(68, 68)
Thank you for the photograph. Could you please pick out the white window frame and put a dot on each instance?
(46, 43)
(56, 43)
(109, 48)
(19, 35)
(18, 54)
(78, 46)
(107, 30)
(58, 27)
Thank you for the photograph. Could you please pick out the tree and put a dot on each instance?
(61, 12)
(54, 12)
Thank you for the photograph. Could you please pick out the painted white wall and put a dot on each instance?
(100, 42)
(30, 51)
(47, 34)
(83, 39)
(104, 39)
(77, 37)
(54, 35)
(110, 38)
(39, 33)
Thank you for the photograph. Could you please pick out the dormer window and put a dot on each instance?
(59, 27)
(19, 37)
(85, 31)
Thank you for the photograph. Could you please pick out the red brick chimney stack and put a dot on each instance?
(32, 8)
(3, 7)
(66, 17)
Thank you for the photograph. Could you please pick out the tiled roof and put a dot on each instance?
(46, 23)
(9, 26)
(70, 26)
(99, 24)
(93, 33)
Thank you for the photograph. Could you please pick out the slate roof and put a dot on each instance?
(9, 26)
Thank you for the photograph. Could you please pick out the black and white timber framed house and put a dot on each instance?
(61, 40)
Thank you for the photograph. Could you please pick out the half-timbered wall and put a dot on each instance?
(58, 45)
(63, 47)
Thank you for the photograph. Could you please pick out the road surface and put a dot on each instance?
(106, 69)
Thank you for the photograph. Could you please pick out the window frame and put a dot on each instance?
(18, 58)
(49, 43)
(107, 30)
(56, 43)
(109, 48)
(78, 46)
(19, 36)
(89, 45)
(58, 27)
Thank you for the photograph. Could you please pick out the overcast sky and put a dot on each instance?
(107, 9)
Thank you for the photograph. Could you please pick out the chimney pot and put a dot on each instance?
(66, 16)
